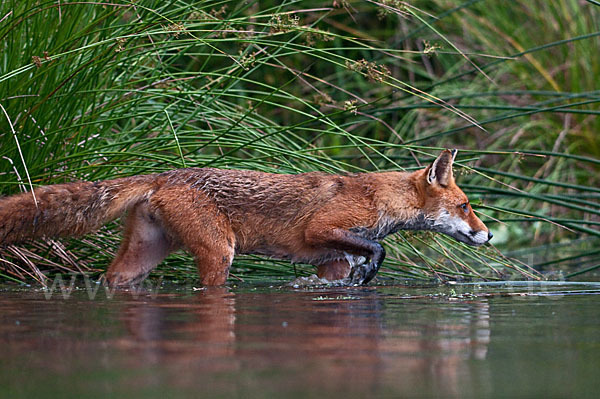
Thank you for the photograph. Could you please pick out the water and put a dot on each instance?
(394, 341)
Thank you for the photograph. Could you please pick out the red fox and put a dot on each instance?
(334, 222)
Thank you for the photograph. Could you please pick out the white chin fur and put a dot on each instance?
(481, 237)
(459, 229)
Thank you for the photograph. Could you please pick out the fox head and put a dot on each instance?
(447, 207)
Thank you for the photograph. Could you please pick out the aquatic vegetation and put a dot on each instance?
(93, 91)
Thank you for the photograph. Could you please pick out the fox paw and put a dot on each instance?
(363, 273)
(362, 270)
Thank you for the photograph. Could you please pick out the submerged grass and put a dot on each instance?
(98, 90)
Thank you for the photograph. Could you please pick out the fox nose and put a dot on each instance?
(490, 235)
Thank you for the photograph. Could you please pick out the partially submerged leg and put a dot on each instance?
(339, 269)
(145, 244)
(205, 232)
(343, 240)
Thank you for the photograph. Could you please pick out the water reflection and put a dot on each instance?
(348, 341)
(332, 341)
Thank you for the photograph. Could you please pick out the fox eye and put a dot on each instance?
(465, 207)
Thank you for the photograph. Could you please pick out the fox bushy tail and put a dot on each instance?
(68, 210)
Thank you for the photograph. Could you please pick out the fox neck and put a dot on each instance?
(398, 198)
(386, 226)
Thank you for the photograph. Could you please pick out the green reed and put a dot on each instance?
(98, 90)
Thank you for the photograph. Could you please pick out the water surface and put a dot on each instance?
(394, 341)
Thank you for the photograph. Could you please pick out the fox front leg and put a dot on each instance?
(352, 243)
(362, 273)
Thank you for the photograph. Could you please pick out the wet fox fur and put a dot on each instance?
(334, 222)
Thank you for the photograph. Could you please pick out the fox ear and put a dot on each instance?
(440, 171)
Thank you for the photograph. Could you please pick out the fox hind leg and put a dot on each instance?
(205, 232)
(145, 244)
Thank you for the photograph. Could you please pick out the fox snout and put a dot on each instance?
(461, 230)
(480, 237)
